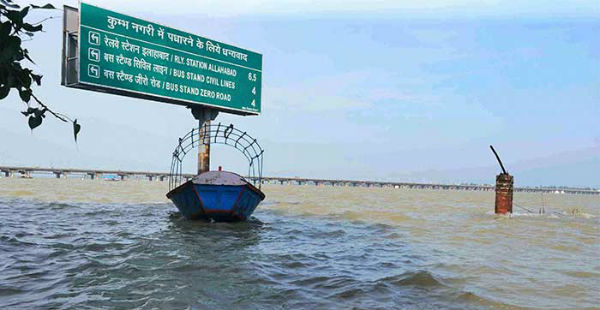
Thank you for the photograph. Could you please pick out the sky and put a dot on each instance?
(373, 90)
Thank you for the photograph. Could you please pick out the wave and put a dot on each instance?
(418, 278)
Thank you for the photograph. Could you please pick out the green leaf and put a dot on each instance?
(18, 56)
(26, 55)
(37, 78)
(5, 30)
(47, 6)
(10, 49)
(10, 80)
(9, 4)
(25, 79)
(25, 94)
(29, 111)
(40, 113)
(4, 90)
(76, 129)
(24, 12)
(12, 45)
(15, 17)
(34, 121)
(32, 28)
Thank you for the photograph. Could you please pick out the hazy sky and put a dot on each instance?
(381, 90)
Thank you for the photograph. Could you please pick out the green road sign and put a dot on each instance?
(144, 59)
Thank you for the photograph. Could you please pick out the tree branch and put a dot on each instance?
(45, 19)
(61, 117)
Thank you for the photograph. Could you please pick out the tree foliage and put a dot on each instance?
(13, 74)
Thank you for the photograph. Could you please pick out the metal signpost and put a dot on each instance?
(128, 56)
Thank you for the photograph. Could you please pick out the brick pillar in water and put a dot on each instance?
(504, 193)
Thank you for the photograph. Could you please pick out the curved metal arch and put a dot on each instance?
(218, 134)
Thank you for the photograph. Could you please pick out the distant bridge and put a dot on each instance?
(91, 173)
(162, 176)
(407, 185)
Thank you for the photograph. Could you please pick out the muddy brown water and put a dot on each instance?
(75, 244)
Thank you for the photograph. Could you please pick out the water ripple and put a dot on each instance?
(72, 255)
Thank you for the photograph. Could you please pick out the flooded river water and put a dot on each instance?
(76, 244)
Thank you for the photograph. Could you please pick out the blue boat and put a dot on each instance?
(219, 196)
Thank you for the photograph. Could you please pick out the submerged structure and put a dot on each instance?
(220, 196)
(504, 189)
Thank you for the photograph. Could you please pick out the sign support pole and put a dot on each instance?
(204, 116)
(204, 149)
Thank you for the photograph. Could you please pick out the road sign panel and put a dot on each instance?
(137, 57)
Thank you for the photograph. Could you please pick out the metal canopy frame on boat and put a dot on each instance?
(218, 134)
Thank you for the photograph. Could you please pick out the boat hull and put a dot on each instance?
(221, 203)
